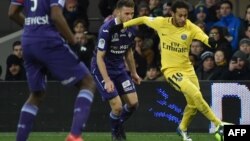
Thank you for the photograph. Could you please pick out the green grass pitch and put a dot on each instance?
(100, 136)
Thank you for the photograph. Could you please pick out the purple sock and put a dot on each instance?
(126, 113)
(27, 116)
(81, 111)
(115, 122)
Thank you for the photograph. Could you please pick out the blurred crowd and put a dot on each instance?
(229, 61)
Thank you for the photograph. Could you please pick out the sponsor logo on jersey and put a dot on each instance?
(123, 35)
(183, 36)
(38, 20)
(174, 47)
(119, 49)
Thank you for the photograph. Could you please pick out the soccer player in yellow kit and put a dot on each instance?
(176, 34)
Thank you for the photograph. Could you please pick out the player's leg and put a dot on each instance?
(130, 106)
(36, 83)
(65, 67)
(115, 115)
(114, 102)
(190, 109)
(189, 88)
(188, 115)
(126, 88)
(200, 103)
(175, 79)
(27, 115)
(82, 105)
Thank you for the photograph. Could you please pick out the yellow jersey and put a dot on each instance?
(174, 41)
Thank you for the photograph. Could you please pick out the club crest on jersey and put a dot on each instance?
(115, 37)
(183, 36)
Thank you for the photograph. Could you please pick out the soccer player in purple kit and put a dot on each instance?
(109, 71)
(44, 48)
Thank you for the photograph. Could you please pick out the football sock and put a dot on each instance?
(114, 121)
(188, 115)
(127, 112)
(81, 111)
(27, 116)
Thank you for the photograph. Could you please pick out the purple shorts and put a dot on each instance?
(123, 84)
(54, 55)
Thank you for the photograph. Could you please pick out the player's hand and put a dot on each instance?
(109, 86)
(136, 78)
(115, 28)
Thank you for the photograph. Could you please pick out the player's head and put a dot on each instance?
(125, 10)
(180, 13)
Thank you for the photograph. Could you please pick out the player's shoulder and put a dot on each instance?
(106, 25)
(109, 23)
(191, 25)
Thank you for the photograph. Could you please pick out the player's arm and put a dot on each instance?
(15, 14)
(137, 21)
(101, 65)
(109, 85)
(200, 35)
(61, 24)
(129, 58)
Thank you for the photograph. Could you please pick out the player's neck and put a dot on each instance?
(173, 22)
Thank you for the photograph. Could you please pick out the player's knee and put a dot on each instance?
(36, 98)
(134, 106)
(197, 96)
(192, 109)
(117, 110)
(200, 102)
(87, 83)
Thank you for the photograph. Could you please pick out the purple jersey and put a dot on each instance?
(44, 49)
(115, 45)
(37, 17)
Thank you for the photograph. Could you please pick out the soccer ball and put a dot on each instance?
(219, 133)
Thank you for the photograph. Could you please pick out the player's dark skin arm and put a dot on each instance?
(15, 14)
(61, 24)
